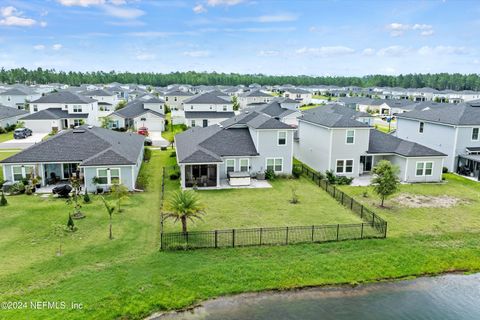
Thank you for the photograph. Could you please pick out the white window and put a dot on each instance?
(244, 165)
(275, 164)
(229, 165)
(175, 98)
(424, 168)
(282, 138)
(22, 172)
(344, 166)
(475, 134)
(350, 137)
(77, 108)
(108, 176)
(166, 98)
(77, 122)
(193, 123)
(224, 108)
(35, 108)
(420, 127)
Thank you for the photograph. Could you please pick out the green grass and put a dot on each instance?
(171, 130)
(6, 136)
(129, 278)
(308, 107)
(316, 96)
(3, 155)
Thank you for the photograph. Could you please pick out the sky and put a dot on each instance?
(335, 38)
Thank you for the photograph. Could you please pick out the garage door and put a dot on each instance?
(151, 123)
(39, 125)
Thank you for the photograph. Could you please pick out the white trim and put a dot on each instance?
(424, 169)
(271, 158)
(240, 164)
(478, 134)
(278, 138)
(346, 136)
(109, 175)
(234, 164)
(406, 169)
(345, 166)
(23, 171)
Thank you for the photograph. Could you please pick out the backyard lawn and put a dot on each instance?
(171, 130)
(6, 136)
(129, 278)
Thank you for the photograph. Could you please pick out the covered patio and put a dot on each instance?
(201, 175)
(469, 165)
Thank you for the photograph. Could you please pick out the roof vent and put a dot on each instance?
(78, 131)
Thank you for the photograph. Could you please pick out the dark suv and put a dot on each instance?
(22, 133)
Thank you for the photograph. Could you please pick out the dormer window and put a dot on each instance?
(420, 127)
(350, 137)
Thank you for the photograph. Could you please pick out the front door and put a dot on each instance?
(205, 123)
(65, 123)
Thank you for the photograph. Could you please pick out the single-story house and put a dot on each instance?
(139, 113)
(111, 156)
(10, 116)
(53, 119)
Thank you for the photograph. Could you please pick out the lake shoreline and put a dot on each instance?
(322, 287)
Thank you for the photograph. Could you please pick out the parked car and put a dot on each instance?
(22, 133)
(143, 131)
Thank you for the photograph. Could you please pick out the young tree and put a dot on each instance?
(236, 105)
(3, 200)
(110, 210)
(119, 192)
(105, 122)
(74, 199)
(386, 181)
(185, 205)
(121, 105)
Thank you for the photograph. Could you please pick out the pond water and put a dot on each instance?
(449, 297)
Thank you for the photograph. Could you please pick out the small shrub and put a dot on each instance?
(147, 154)
(28, 190)
(174, 176)
(163, 148)
(296, 172)
(365, 194)
(11, 127)
(173, 154)
(3, 200)
(17, 188)
(444, 170)
(70, 223)
(330, 176)
(270, 174)
(342, 180)
(295, 198)
(2, 130)
(142, 179)
(86, 197)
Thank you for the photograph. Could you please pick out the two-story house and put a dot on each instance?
(239, 147)
(283, 109)
(339, 143)
(253, 97)
(207, 109)
(140, 113)
(453, 129)
(300, 95)
(107, 100)
(61, 110)
(18, 97)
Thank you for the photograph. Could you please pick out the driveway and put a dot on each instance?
(23, 143)
(157, 139)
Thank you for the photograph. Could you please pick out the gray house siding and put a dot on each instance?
(343, 151)
(313, 147)
(436, 136)
(126, 176)
(408, 166)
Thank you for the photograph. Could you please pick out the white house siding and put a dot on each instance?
(9, 121)
(435, 136)
(42, 125)
(119, 121)
(313, 147)
(149, 120)
(199, 121)
(342, 151)
(224, 107)
(15, 100)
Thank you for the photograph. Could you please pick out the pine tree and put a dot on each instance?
(86, 197)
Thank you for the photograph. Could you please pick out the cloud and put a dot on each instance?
(199, 8)
(80, 3)
(393, 51)
(368, 52)
(145, 56)
(398, 29)
(11, 17)
(214, 3)
(197, 54)
(124, 13)
(268, 53)
(286, 17)
(326, 51)
(443, 50)
(57, 46)
(39, 47)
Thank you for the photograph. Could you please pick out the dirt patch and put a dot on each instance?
(420, 201)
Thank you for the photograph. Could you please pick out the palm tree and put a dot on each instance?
(185, 205)
(110, 210)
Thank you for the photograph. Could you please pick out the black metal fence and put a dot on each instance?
(365, 214)
(373, 227)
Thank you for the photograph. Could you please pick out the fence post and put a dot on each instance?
(338, 230)
(261, 232)
(313, 230)
(186, 236)
(361, 233)
(351, 203)
(286, 237)
(373, 219)
(216, 238)
(233, 238)
(385, 231)
(342, 197)
(334, 191)
(161, 241)
(361, 212)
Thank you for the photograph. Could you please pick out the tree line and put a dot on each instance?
(439, 81)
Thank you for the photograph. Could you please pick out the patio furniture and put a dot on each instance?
(53, 179)
(238, 178)
(62, 191)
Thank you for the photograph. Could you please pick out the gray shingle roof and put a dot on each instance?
(386, 143)
(98, 93)
(178, 93)
(255, 93)
(15, 92)
(66, 97)
(135, 109)
(209, 144)
(297, 90)
(88, 146)
(207, 98)
(255, 120)
(273, 109)
(453, 114)
(208, 114)
(54, 113)
(330, 119)
(8, 112)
